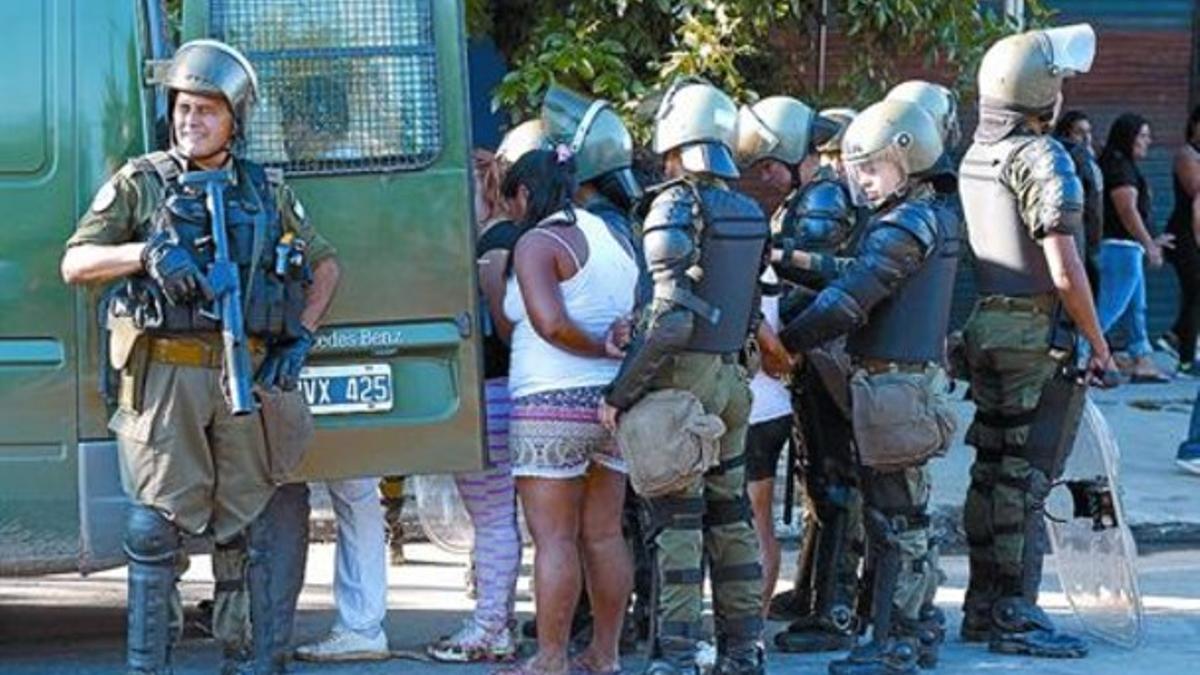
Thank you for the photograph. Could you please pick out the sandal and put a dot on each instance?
(526, 667)
(581, 667)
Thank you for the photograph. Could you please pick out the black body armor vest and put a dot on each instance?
(273, 271)
(911, 325)
(732, 243)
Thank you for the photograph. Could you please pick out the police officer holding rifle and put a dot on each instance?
(220, 279)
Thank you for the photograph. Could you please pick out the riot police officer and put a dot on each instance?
(1024, 206)
(190, 464)
(704, 247)
(814, 229)
(894, 304)
(818, 221)
(776, 137)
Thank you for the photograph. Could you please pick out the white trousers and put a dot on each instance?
(360, 583)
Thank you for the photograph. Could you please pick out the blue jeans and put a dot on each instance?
(1123, 292)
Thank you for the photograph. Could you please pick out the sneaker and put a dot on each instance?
(1188, 457)
(472, 643)
(344, 645)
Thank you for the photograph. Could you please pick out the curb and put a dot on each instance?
(1150, 537)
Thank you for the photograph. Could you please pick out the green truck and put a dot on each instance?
(363, 104)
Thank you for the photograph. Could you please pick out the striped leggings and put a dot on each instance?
(490, 499)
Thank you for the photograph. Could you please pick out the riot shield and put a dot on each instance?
(1090, 537)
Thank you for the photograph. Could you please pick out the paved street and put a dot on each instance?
(67, 624)
(70, 625)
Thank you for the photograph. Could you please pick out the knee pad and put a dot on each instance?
(149, 537)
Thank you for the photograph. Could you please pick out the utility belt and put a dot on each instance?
(202, 350)
(876, 366)
(199, 351)
(1040, 303)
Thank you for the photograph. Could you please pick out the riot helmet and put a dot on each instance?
(887, 145)
(778, 127)
(601, 143)
(213, 68)
(940, 102)
(836, 120)
(526, 136)
(1024, 72)
(701, 121)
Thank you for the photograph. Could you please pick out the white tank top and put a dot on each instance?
(771, 397)
(601, 290)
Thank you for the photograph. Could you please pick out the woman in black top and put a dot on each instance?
(1185, 225)
(1127, 239)
(490, 495)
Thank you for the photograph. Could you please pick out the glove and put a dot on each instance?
(282, 366)
(174, 270)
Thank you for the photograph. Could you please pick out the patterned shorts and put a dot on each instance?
(557, 434)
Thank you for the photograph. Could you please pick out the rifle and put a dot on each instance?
(226, 286)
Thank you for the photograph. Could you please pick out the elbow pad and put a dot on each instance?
(833, 313)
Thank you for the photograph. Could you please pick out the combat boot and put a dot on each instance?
(928, 633)
(982, 592)
(746, 659)
(812, 634)
(893, 656)
(1021, 627)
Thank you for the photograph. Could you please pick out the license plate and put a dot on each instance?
(340, 390)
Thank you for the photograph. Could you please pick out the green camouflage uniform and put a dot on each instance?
(1017, 191)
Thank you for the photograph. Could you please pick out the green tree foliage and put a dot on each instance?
(627, 50)
(949, 33)
(624, 49)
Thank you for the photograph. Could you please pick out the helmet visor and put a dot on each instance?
(1072, 49)
(563, 111)
(755, 140)
(875, 178)
(709, 157)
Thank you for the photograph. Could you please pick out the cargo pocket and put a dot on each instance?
(288, 430)
(143, 419)
(144, 439)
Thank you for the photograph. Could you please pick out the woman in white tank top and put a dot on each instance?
(571, 281)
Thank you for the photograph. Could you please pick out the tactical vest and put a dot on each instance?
(273, 280)
(732, 241)
(1008, 261)
(911, 325)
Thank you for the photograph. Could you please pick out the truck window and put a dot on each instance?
(344, 87)
(23, 116)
